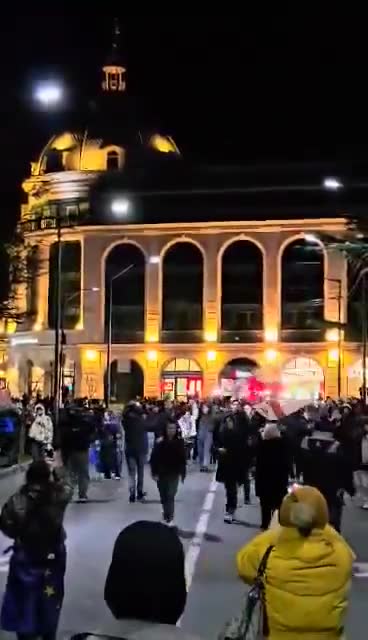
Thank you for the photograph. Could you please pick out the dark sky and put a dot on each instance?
(233, 87)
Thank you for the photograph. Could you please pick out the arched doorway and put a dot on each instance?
(302, 291)
(302, 378)
(181, 378)
(238, 377)
(241, 291)
(127, 381)
(127, 318)
(182, 293)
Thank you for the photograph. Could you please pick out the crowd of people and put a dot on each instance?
(323, 446)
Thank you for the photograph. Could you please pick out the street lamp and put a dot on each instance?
(109, 332)
(120, 206)
(49, 94)
(332, 184)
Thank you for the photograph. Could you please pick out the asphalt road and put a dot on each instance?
(215, 592)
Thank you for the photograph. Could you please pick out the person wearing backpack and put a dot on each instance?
(33, 518)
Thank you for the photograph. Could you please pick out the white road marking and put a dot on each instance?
(194, 549)
(192, 555)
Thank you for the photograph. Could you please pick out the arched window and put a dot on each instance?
(112, 161)
(302, 291)
(127, 310)
(241, 292)
(182, 293)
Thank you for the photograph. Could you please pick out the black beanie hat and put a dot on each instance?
(146, 578)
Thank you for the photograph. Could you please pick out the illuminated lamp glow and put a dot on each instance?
(332, 184)
(211, 356)
(271, 355)
(49, 93)
(120, 206)
(152, 355)
(333, 355)
(91, 355)
(154, 260)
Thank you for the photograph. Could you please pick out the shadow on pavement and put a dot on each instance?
(249, 525)
(188, 535)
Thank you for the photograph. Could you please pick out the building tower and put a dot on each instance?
(114, 73)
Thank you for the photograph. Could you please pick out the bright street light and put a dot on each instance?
(49, 94)
(120, 206)
(154, 259)
(332, 184)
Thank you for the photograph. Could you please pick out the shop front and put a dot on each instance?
(181, 379)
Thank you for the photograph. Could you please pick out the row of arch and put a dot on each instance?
(241, 289)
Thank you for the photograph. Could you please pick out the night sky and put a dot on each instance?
(237, 88)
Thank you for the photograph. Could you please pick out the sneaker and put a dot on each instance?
(132, 498)
(365, 506)
(83, 500)
(229, 518)
(117, 477)
(142, 497)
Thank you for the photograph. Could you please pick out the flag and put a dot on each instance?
(34, 593)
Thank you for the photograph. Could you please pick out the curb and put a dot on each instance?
(16, 468)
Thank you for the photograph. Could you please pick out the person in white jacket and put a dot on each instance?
(41, 434)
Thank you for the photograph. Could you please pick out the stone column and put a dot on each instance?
(271, 288)
(211, 298)
(92, 373)
(153, 300)
(152, 380)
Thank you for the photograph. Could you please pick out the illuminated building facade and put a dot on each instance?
(223, 282)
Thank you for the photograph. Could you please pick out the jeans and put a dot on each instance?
(168, 487)
(205, 441)
(267, 510)
(135, 464)
(78, 465)
(231, 489)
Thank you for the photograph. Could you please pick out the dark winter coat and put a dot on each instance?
(168, 458)
(77, 430)
(234, 461)
(272, 468)
(33, 516)
(136, 438)
(325, 466)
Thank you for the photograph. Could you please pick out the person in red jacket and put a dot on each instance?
(168, 466)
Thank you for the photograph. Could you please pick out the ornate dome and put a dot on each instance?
(72, 151)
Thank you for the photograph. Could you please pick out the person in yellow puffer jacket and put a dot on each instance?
(308, 574)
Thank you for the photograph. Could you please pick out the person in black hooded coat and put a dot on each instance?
(231, 440)
(146, 578)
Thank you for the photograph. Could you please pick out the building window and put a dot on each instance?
(70, 284)
(113, 161)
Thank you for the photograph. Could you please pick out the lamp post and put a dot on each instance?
(109, 332)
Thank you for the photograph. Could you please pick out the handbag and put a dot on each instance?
(252, 624)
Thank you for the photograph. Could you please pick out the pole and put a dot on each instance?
(364, 340)
(58, 311)
(109, 338)
(339, 341)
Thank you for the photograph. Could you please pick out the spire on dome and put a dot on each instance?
(114, 78)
